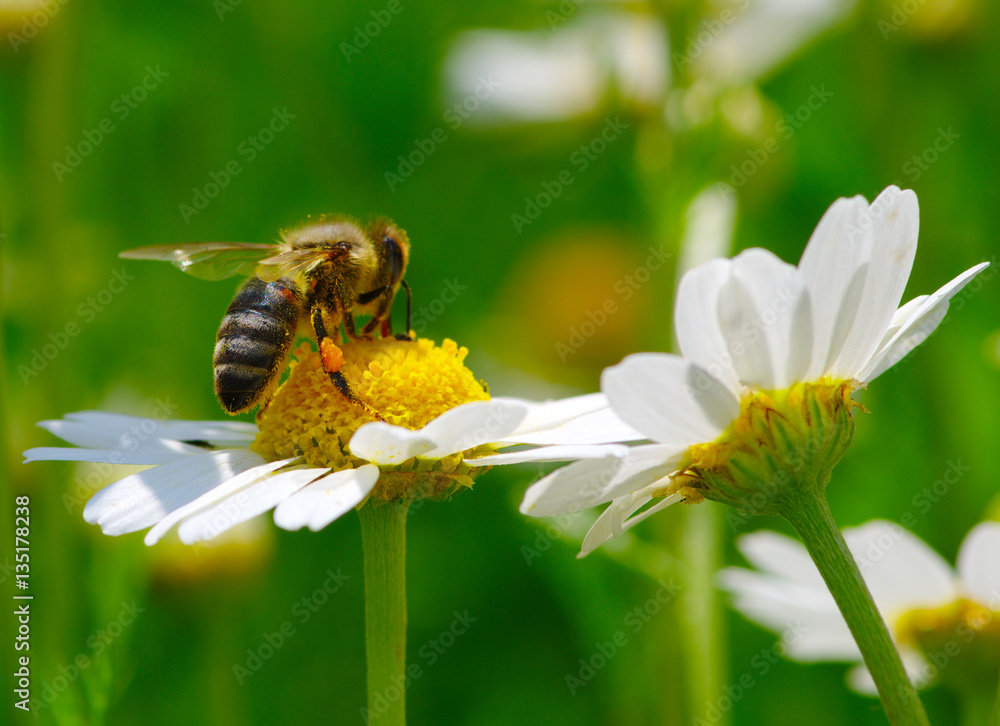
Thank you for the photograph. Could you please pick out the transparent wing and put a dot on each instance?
(209, 260)
(291, 263)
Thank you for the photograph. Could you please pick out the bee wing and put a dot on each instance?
(290, 263)
(208, 260)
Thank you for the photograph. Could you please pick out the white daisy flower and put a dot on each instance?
(771, 353)
(930, 609)
(313, 456)
(508, 76)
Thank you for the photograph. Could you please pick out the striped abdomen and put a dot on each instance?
(253, 342)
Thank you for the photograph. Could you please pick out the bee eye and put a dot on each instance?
(395, 257)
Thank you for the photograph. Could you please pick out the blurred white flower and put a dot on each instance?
(915, 590)
(552, 75)
(748, 38)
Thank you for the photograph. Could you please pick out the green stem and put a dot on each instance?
(995, 714)
(703, 634)
(810, 516)
(383, 532)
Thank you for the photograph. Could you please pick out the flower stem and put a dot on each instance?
(995, 714)
(703, 634)
(383, 532)
(809, 514)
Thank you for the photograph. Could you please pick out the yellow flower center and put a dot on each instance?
(780, 440)
(407, 383)
(960, 640)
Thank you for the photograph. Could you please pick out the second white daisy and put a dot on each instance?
(771, 354)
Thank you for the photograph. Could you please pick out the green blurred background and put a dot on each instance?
(894, 79)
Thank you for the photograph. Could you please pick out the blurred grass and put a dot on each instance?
(352, 120)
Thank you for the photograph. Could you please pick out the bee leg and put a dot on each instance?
(349, 328)
(409, 309)
(333, 359)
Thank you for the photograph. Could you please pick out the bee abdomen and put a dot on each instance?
(253, 342)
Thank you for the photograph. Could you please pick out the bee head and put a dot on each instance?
(395, 245)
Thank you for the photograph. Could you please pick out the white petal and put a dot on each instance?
(325, 500)
(570, 488)
(550, 414)
(766, 319)
(811, 626)
(899, 319)
(782, 556)
(384, 443)
(667, 501)
(979, 564)
(921, 324)
(259, 497)
(895, 218)
(473, 424)
(551, 453)
(602, 426)
(590, 482)
(902, 346)
(141, 500)
(696, 321)
(833, 267)
(167, 452)
(224, 490)
(901, 570)
(669, 399)
(604, 526)
(617, 518)
(100, 429)
(643, 466)
(463, 427)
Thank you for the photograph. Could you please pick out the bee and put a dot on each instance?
(315, 279)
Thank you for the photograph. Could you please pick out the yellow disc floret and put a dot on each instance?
(960, 640)
(406, 383)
